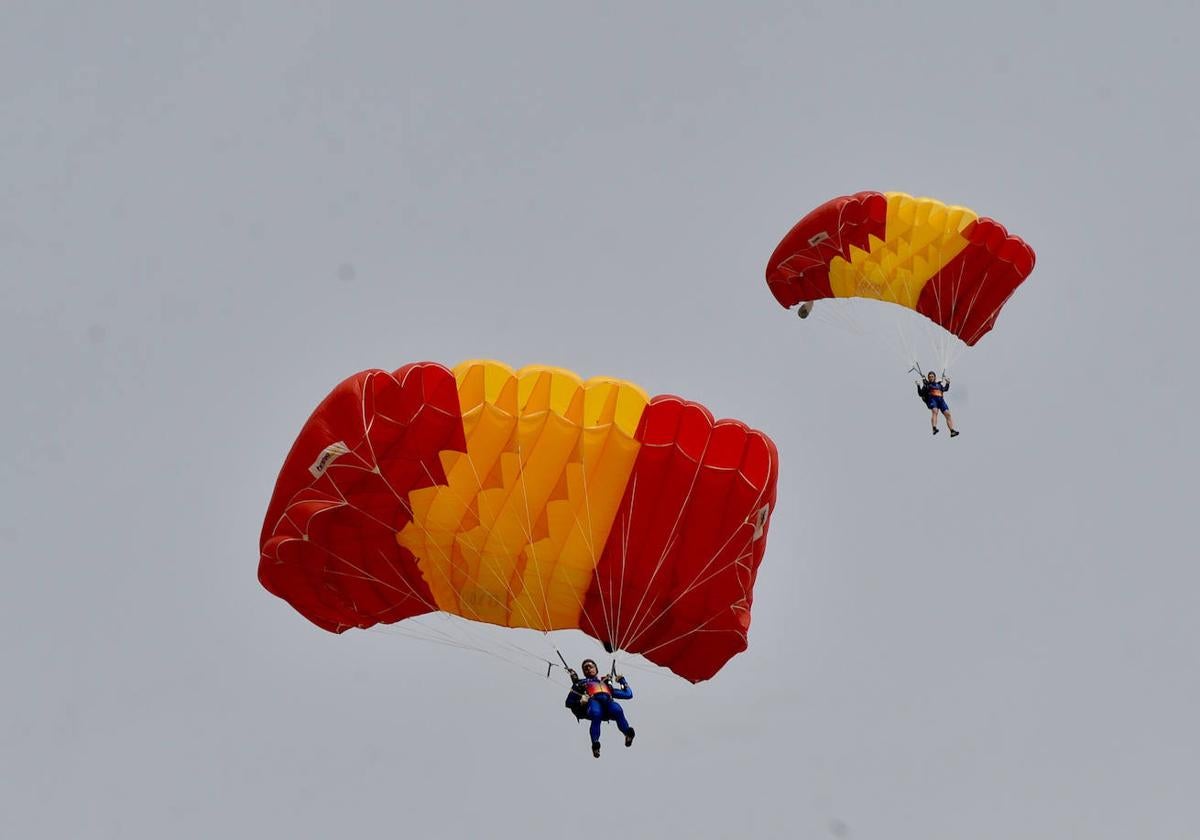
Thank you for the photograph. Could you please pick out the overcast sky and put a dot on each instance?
(211, 213)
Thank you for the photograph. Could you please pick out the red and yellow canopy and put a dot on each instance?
(945, 262)
(525, 498)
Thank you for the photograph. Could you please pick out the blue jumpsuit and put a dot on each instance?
(603, 704)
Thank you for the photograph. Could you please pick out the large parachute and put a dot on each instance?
(524, 499)
(945, 262)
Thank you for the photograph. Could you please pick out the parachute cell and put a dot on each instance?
(945, 262)
(524, 499)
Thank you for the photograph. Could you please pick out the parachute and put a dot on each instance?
(947, 263)
(525, 498)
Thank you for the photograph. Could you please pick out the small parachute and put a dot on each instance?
(945, 262)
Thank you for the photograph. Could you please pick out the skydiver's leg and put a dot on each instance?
(950, 423)
(595, 713)
(616, 713)
(933, 418)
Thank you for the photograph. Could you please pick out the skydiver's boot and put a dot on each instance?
(935, 430)
(596, 749)
(629, 737)
(954, 433)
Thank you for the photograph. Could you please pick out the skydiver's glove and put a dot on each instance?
(574, 676)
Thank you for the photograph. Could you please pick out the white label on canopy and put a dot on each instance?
(328, 455)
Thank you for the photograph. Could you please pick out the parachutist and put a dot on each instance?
(595, 698)
(931, 393)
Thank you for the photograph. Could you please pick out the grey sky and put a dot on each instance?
(211, 213)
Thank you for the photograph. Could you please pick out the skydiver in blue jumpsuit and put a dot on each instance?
(594, 698)
(931, 392)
